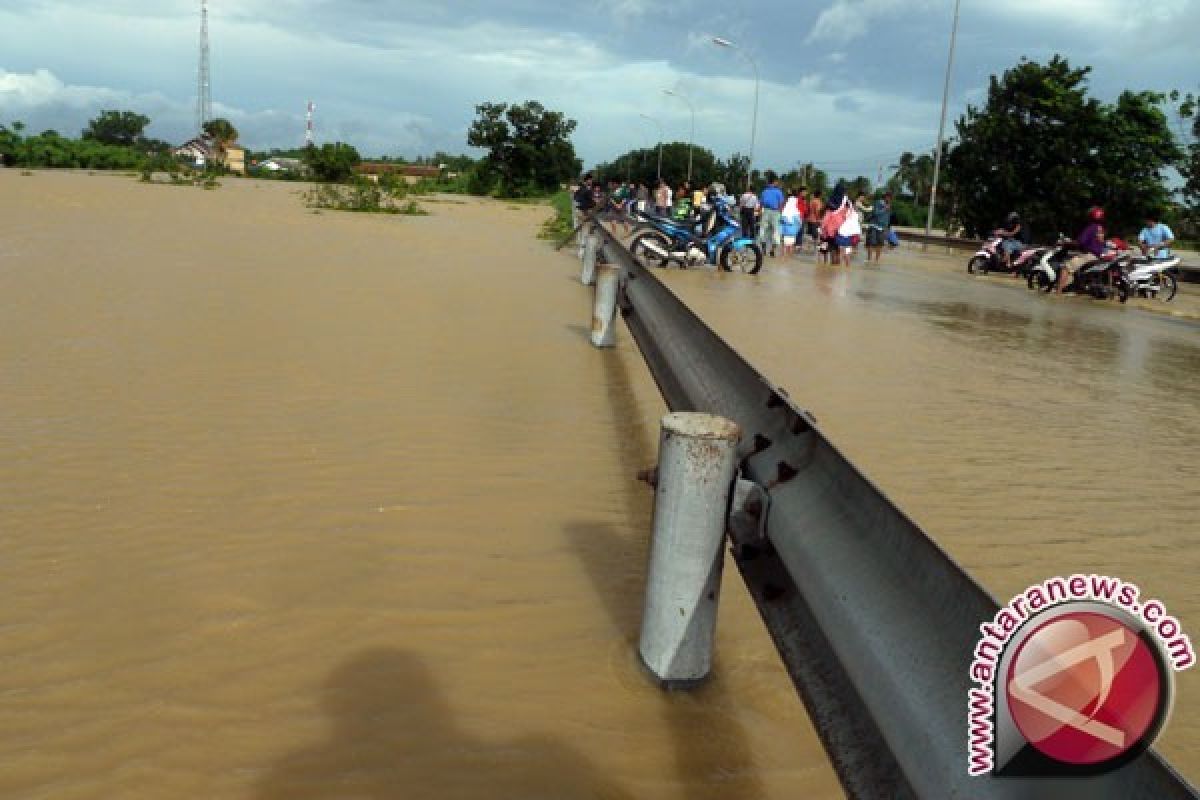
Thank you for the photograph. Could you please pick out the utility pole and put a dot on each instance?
(937, 156)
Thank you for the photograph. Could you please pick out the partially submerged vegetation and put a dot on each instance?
(363, 196)
(559, 226)
(166, 171)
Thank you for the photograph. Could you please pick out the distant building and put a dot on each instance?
(410, 172)
(204, 150)
(282, 164)
(198, 152)
(235, 158)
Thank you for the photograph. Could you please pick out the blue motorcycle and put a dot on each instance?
(713, 236)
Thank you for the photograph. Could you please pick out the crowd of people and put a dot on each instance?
(781, 221)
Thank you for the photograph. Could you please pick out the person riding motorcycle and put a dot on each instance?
(1016, 237)
(1156, 238)
(1091, 241)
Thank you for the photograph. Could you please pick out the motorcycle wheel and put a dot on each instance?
(644, 255)
(748, 259)
(1038, 280)
(978, 265)
(1167, 287)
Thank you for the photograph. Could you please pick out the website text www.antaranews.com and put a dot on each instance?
(1034, 600)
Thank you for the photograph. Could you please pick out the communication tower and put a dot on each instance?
(308, 128)
(203, 78)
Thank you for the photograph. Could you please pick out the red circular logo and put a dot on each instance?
(1085, 688)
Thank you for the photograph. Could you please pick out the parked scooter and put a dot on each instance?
(712, 237)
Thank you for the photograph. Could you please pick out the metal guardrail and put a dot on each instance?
(875, 623)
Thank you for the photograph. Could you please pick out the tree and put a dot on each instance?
(122, 128)
(641, 166)
(732, 172)
(914, 176)
(1042, 147)
(861, 184)
(10, 143)
(1137, 148)
(332, 162)
(529, 148)
(221, 130)
(1187, 115)
(805, 175)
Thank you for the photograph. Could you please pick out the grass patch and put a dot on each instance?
(362, 197)
(202, 180)
(559, 226)
(26, 172)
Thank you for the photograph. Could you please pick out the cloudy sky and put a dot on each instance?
(847, 84)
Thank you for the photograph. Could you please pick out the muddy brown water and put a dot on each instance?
(322, 505)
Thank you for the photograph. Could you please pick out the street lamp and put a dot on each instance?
(721, 42)
(660, 140)
(692, 138)
(937, 156)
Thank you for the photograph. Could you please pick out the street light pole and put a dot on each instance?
(660, 141)
(692, 138)
(937, 156)
(721, 42)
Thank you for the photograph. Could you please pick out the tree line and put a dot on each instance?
(112, 140)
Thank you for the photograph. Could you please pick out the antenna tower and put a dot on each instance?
(203, 78)
(308, 129)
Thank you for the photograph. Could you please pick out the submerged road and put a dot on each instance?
(322, 505)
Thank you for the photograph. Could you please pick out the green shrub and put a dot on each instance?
(361, 196)
(560, 225)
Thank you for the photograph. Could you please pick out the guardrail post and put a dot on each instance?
(696, 462)
(591, 247)
(604, 309)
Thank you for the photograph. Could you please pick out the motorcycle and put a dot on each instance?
(1152, 277)
(990, 258)
(1043, 275)
(1101, 278)
(714, 237)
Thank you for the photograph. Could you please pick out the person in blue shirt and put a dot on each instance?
(771, 205)
(1156, 238)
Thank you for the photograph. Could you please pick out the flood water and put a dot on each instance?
(300, 505)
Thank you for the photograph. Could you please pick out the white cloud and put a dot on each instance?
(847, 20)
(30, 90)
